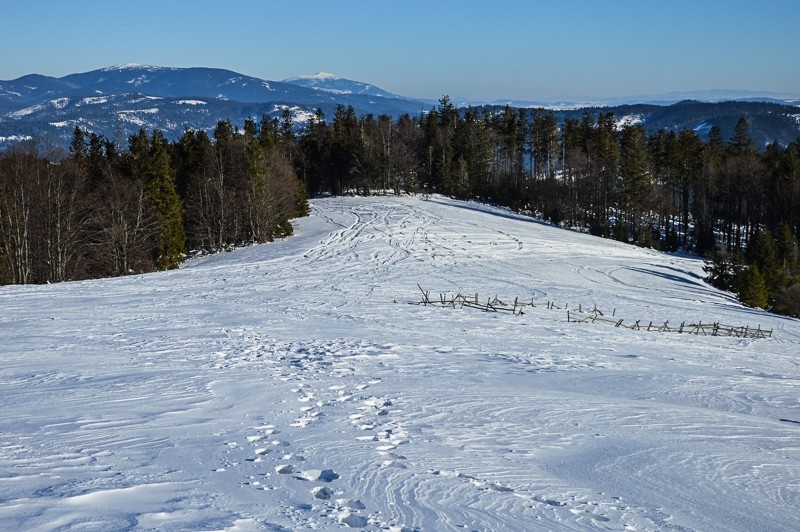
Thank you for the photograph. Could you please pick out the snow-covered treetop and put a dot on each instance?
(131, 66)
(318, 76)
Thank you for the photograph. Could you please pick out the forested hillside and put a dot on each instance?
(720, 198)
(98, 211)
(768, 121)
(105, 211)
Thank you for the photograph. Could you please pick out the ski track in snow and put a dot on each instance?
(290, 387)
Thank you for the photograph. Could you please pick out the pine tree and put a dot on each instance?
(77, 146)
(287, 133)
(314, 161)
(430, 148)
(635, 176)
(268, 131)
(741, 143)
(690, 172)
(788, 250)
(788, 302)
(762, 253)
(165, 205)
(444, 168)
(605, 161)
(722, 270)
(753, 288)
(346, 151)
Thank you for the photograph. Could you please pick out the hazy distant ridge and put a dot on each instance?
(121, 99)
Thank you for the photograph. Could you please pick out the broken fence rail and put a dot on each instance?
(517, 307)
(461, 301)
(702, 329)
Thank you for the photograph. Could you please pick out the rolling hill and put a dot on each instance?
(292, 386)
(117, 101)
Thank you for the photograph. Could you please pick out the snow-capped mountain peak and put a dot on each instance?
(320, 76)
(131, 66)
(324, 75)
(120, 96)
(327, 82)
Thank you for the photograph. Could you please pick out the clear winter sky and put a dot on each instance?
(524, 49)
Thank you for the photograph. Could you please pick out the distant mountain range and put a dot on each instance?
(323, 81)
(119, 100)
(668, 98)
(768, 121)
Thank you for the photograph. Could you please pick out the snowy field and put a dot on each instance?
(290, 386)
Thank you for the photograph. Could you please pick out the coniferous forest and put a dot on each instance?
(102, 210)
(99, 211)
(724, 199)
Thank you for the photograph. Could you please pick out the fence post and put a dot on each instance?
(496, 305)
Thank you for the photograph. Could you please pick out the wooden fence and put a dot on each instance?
(461, 301)
(595, 315)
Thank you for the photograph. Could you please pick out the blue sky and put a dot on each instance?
(475, 49)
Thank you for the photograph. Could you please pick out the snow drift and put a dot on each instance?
(292, 386)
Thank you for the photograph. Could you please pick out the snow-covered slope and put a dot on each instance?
(327, 82)
(291, 386)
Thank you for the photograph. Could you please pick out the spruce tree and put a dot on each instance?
(753, 288)
(722, 269)
(165, 205)
(636, 179)
(444, 167)
(605, 166)
(77, 146)
(788, 252)
(788, 302)
(762, 253)
(741, 143)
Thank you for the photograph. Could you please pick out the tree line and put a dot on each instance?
(724, 199)
(99, 210)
